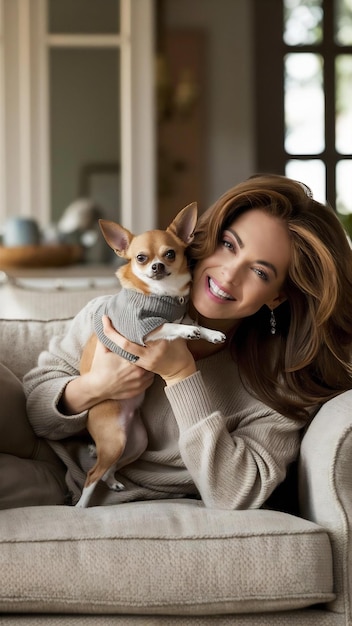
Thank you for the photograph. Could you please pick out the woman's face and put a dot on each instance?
(246, 271)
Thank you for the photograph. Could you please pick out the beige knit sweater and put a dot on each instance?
(208, 437)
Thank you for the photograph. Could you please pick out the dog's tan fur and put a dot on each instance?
(108, 428)
(151, 268)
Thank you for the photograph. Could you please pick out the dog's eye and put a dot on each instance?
(170, 255)
(141, 258)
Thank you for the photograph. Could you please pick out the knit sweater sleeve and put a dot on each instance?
(57, 366)
(233, 467)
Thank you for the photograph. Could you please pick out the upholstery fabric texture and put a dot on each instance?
(29, 337)
(193, 560)
(288, 618)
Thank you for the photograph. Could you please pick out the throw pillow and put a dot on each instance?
(16, 434)
(31, 472)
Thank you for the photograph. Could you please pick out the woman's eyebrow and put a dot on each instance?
(241, 245)
(237, 237)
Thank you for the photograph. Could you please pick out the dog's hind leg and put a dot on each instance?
(107, 427)
(109, 424)
(86, 495)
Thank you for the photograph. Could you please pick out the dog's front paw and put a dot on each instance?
(193, 333)
(213, 336)
(217, 337)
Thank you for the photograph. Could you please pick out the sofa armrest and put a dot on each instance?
(325, 486)
(325, 464)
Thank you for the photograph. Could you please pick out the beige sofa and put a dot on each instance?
(174, 561)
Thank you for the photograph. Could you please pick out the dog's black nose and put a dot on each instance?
(158, 268)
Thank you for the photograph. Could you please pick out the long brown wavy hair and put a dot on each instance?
(308, 360)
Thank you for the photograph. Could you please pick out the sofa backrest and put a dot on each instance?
(30, 315)
(50, 298)
(21, 341)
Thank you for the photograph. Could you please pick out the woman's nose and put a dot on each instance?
(231, 273)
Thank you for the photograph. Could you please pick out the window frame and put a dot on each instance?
(269, 52)
(24, 114)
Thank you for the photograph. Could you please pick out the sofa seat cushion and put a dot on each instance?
(161, 557)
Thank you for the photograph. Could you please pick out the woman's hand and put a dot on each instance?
(110, 377)
(171, 360)
(115, 378)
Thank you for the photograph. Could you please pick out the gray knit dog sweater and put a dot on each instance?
(135, 315)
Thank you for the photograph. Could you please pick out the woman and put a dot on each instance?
(272, 269)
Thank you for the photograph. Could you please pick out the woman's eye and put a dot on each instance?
(141, 258)
(227, 244)
(263, 275)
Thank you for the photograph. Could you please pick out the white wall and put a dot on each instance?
(230, 139)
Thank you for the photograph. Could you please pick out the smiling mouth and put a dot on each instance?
(216, 291)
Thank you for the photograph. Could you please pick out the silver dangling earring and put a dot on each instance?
(272, 323)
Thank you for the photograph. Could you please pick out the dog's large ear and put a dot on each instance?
(117, 237)
(184, 223)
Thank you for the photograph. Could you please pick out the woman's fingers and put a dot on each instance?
(120, 340)
(171, 360)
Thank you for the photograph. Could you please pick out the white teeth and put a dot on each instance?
(217, 291)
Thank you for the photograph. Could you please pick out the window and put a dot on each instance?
(303, 52)
(76, 89)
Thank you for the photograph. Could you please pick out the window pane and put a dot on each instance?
(311, 173)
(84, 16)
(344, 104)
(84, 117)
(343, 22)
(344, 187)
(304, 104)
(303, 22)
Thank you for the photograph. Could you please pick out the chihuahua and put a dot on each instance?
(152, 303)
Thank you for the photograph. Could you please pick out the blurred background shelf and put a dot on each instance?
(40, 256)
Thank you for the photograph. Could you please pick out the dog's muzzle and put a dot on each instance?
(159, 271)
